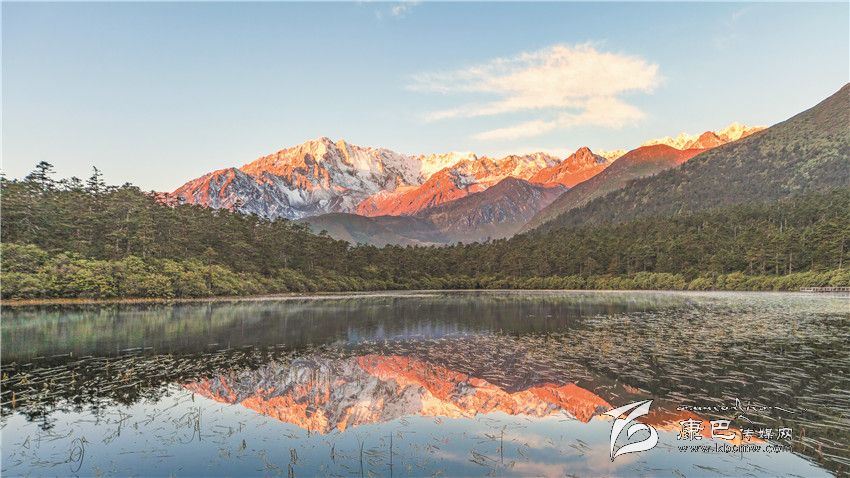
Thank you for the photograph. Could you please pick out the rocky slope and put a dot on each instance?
(495, 213)
(312, 178)
(460, 180)
(577, 168)
(445, 185)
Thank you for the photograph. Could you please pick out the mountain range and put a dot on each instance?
(380, 197)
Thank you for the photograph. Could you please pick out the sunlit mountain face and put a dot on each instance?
(578, 167)
(323, 176)
(456, 181)
(357, 193)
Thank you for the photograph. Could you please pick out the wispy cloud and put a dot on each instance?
(402, 9)
(729, 36)
(397, 10)
(567, 85)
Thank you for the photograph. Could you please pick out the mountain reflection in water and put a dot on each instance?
(321, 395)
(455, 384)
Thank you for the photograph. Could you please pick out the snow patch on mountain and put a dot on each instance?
(324, 176)
(612, 154)
(431, 163)
(733, 132)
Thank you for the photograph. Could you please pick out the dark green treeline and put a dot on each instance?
(75, 238)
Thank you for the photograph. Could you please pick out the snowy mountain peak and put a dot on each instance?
(679, 142)
(468, 175)
(584, 155)
(431, 163)
(611, 155)
(519, 166)
(578, 167)
(733, 132)
(324, 175)
(736, 131)
(314, 177)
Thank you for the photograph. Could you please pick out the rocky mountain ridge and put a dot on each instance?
(321, 177)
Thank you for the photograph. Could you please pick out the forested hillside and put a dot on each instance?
(74, 221)
(73, 238)
(806, 153)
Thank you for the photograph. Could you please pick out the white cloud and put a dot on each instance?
(569, 85)
(522, 130)
(397, 10)
(401, 9)
(607, 112)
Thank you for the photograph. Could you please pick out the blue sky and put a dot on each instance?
(159, 93)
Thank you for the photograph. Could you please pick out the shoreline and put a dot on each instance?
(228, 298)
(351, 295)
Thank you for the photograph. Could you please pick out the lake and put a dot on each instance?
(430, 384)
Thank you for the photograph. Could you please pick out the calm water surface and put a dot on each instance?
(427, 384)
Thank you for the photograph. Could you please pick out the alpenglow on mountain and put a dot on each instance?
(469, 176)
(323, 176)
(316, 177)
